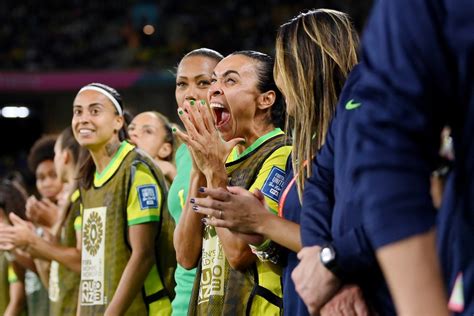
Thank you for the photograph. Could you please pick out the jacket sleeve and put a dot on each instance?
(318, 195)
(354, 252)
(403, 92)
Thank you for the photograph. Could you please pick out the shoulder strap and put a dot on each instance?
(165, 256)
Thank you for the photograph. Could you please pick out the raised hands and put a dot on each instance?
(42, 212)
(236, 209)
(17, 236)
(208, 149)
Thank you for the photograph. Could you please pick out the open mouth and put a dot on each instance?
(221, 114)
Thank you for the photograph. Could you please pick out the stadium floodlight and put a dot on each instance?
(15, 112)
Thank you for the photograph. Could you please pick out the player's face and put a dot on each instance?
(95, 121)
(148, 133)
(193, 78)
(47, 182)
(233, 95)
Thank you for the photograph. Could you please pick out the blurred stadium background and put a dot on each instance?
(50, 48)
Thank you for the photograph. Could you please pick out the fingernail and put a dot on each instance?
(180, 112)
(191, 200)
(202, 189)
(191, 102)
(195, 207)
(174, 129)
(203, 102)
(204, 221)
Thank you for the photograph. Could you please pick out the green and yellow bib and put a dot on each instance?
(64, 283)
(219, 289)
(4, 284)
(131, 190)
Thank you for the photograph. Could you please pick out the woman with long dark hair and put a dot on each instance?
(127, 252)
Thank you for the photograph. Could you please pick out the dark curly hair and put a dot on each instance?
(42, 150)
(12, 198)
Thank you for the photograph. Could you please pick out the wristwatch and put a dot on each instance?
(328, 258)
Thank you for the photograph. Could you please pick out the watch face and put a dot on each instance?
(326, 255)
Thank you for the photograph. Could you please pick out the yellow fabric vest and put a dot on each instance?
(64, 283)
(106, 230)
(4, 285)
(221, 290)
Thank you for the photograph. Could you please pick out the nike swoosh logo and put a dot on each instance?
(351, 105)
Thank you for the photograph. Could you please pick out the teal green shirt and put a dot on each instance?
(177, 195)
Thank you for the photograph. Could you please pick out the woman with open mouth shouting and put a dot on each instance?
(237, 141)
(315, 51)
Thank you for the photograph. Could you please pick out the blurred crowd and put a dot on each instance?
(56, 35)
(332, 177)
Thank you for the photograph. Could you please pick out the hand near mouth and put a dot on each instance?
(208, 149)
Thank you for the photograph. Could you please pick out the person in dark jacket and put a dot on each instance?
(417, 75)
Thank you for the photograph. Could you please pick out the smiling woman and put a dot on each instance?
(123, 194)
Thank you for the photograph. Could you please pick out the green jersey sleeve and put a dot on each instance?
(145, 198)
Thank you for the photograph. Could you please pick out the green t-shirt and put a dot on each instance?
(177, 196)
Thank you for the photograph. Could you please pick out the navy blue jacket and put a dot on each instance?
(292, 303)
(417, 76)
(331, 213)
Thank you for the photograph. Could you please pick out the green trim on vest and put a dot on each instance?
(75, 195)
(257, 143)
(114, 164)
(219, 289)
(142, 220)
(105, 214)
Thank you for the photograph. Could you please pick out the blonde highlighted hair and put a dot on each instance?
(315, 52)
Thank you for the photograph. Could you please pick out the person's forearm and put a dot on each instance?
(17, 299)
(272, 227)
(42, 268)
(24, 260)
(188, 233)
(70, 257)
(236, 250)
(413, 274)
(132, 280)
(217, 177)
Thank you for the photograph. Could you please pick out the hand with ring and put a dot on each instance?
(236, 209)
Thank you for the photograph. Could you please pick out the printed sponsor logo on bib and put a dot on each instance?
(148, 196)
(274, 184)
(53, 289)
(93, 258)
(213, 267)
